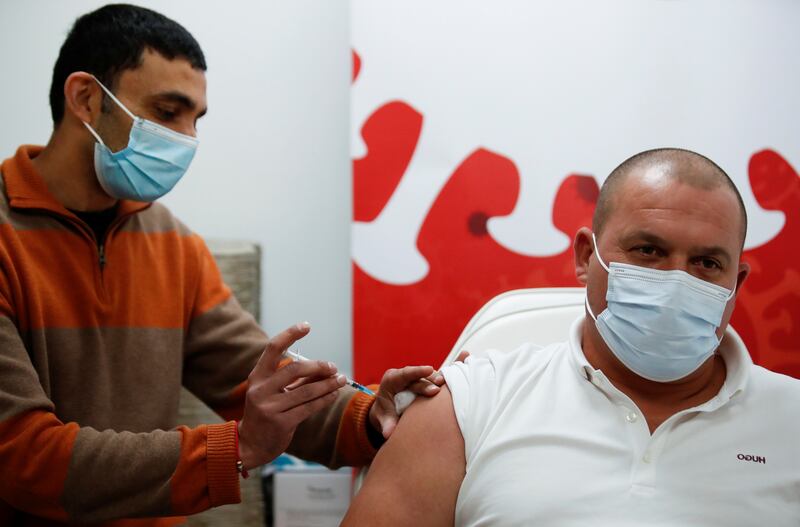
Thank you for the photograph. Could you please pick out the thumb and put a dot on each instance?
(388, 423)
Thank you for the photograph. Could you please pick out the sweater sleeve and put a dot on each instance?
(222, 346)
(70, 473)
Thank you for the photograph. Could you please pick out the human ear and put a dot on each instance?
(582, 248)
(742, 274)
(82, 97)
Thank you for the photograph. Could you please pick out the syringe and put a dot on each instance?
(358, 386)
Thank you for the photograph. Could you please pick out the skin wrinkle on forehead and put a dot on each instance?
(703, 211)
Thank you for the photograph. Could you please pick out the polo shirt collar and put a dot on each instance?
(733, 351)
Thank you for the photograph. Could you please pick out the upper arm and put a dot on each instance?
(222, 342)
(417, 474)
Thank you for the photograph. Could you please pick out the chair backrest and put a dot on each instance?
(542, 316)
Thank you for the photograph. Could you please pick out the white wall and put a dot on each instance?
(273, 164)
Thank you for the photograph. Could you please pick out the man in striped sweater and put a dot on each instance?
(108, 304)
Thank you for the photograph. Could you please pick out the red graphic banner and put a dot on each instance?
(418, 323)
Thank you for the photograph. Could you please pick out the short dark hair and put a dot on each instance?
(111, 39)
(704, 174)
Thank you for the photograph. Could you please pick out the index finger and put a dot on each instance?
(273, 353)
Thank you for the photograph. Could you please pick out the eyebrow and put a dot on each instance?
(714, 250)
(180, 98)
(649, 237)
(645, 236)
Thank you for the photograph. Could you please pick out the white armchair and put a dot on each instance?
(542, 316)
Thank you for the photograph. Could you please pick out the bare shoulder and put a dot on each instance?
(417, 474)
(426, 411)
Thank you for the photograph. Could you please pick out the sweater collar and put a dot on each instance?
(26, 188)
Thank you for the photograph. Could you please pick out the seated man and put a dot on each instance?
(648, 414)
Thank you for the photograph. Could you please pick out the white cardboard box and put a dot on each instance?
(310, 496)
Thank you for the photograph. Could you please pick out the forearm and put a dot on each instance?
(68, 473)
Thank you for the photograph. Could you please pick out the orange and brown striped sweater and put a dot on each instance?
(92, 357)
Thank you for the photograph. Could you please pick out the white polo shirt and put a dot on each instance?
(550, 441)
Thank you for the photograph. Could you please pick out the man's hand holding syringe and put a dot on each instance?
(279, 398)
(348, 381)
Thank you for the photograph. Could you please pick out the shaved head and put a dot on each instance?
(685, 166)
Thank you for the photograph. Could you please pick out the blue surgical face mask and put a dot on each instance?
(660, 324)
(152, 163)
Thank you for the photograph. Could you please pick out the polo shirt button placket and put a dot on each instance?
(644, 455)
(644, 474)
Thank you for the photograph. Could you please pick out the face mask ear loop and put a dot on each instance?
(96, 136)
(733, 292)
(589, 308)
(113, 98)
(597, 253)
(731, 295)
